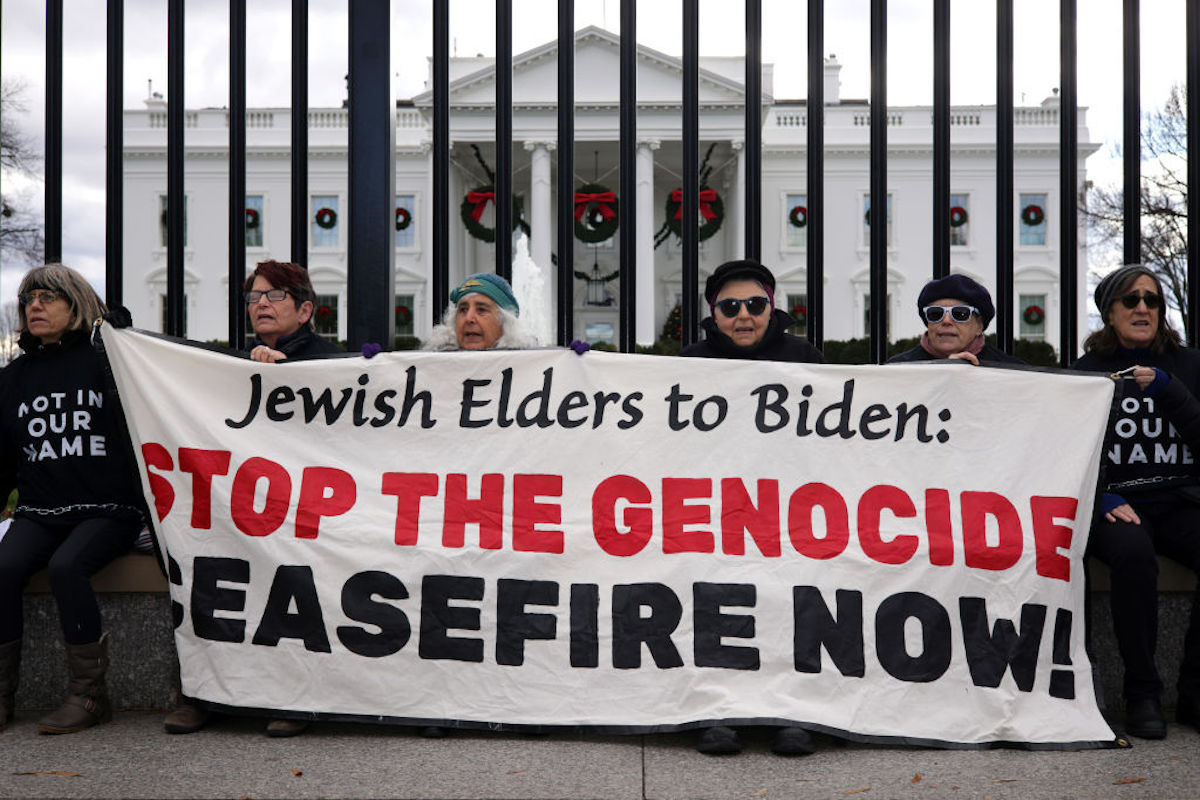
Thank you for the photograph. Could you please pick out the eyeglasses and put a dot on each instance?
(934, 314)
(730, 306)
(1151, 299)
(274, 295)
(43, 296)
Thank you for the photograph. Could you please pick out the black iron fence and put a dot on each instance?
(371, 143)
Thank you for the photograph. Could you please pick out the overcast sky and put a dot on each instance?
(910, 70)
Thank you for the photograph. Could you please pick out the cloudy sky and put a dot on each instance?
(910, 23)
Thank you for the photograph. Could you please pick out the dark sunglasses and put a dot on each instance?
(754, 306)
(934, 314)
(1151, 299)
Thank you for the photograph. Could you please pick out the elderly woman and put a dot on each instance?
(483, 314)
(744, 323)
(956, 310)
(79, 502)
(1150, 503)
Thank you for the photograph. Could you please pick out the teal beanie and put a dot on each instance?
(488, 284)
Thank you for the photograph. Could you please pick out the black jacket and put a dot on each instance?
(776, 345)
(988, 354)
(302, 345)
(1152, 442)
(61, 437)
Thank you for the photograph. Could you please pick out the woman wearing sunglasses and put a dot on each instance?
(1150, 501)
(79, 504)
(744, 322)
(955, 310)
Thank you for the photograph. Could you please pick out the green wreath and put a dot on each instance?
(403, 218)
(596, 216)
(325, 218)
(1033, 315)
(252, 220)
(798, 217)
(712, 210)
(1032, 214)
(958, 216)
(473, 205)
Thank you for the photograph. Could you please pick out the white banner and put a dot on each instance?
(632, 542)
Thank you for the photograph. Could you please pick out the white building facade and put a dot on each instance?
(658, 166)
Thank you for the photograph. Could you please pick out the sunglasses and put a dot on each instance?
(1151, 299)
(274, 295)
(934, 314)
(730, 306)
(43, 296)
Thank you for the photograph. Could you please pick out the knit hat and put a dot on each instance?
(744, 269)
(957, 287)
(1113, 282)
(491, 285)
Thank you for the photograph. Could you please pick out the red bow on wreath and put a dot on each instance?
(601, 199)
(480, 199)
(707, 196)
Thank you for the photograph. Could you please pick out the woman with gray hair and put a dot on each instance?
(63, 447)
(483, 315)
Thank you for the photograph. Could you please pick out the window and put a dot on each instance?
(1033, 317)
(867, 219)
(867, 316)
(406, 211)
(796, 220)
(325, 221)
(163, 300)
(254, 220)
(325, 316)
(162, 219)
(1032, 220)
(960, 219)
(404, 315)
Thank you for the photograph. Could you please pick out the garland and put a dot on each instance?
(252, 220)
(325, 218)
(958, 217)
(1033, 315)
(798, 217)
(403, 218)
(595, 213)
(1032, 215)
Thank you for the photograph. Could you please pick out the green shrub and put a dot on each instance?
(406, 343)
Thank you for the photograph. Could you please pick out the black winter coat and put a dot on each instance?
(987, 355)
(776, 345)
(302, 345)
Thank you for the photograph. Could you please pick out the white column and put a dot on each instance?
(541, 211)
(647, 300)
(739, 202)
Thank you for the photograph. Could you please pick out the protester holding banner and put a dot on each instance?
(743, 321)
(483, 314)
(280, 302)
(956, 310)
(1151, 495)
(79, 505)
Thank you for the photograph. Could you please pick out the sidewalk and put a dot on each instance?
(133, 758)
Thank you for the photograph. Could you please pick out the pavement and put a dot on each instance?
(131, 757)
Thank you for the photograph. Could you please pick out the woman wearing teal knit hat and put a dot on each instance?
(483, 314)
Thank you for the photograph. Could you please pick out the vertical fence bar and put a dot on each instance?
(176, 199)
(1132, 128)
(299, 219)
(566, 171)
(941, 138)
(691, 172)
(1004, 175)
(878, 182)
(1068, 155)
(814, 255)
(441, 160)
(54, 132)
(371, 252)
(752, 152)
(1193, 168)
(627, 115)
(114, 143)
(237, 171)
(504, 181)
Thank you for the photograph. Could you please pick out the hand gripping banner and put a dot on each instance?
(635, 543)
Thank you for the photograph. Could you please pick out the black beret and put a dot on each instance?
(958, 287)
(743, 269)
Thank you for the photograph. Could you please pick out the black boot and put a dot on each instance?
(87, 696)
(10, 672)
(1187, 710)
(1144, 718)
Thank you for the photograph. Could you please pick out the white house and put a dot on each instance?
(659, 158)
